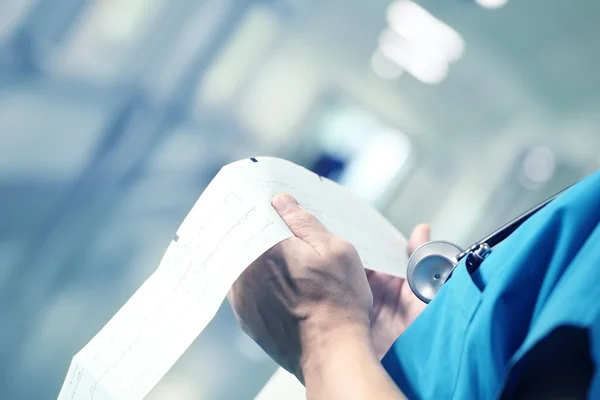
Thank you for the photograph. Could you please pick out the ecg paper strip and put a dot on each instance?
(229, 227)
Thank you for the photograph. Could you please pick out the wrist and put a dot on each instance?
(343, 365)
(327, 330)
(330, 353)
(319, 345)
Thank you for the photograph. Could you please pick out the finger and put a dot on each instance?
(419, 236)
(231, 299)
(302, 223)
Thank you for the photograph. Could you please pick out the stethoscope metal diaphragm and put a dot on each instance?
(430, 266)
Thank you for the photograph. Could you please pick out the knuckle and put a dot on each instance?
(343, 250)
(276, 253)
(303, 219)
(273, 252)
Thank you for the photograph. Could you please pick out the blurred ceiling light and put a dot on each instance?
(417, 25)
(345, 130)
(385, 68)
(538, 167)
(491, 3)
(371, 173)
(428, 67)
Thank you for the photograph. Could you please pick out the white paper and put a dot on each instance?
(229, 227)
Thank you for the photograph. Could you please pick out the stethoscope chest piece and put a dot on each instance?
(430, 266)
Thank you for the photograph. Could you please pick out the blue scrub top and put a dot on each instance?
(531, 311)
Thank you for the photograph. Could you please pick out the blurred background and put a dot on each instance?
(115, 114)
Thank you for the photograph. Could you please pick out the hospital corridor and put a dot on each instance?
(116, 115)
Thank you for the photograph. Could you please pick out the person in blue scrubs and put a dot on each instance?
(526, 324)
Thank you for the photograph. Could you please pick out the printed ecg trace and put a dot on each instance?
(193, 287)
(230, 225)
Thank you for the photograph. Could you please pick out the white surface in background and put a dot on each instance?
(230, 226)
(282, 386)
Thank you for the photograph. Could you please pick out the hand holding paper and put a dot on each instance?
(303, 292)
(395, 306)
(231, 225)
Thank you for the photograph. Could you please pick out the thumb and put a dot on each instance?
(302, 223)
(419, 236)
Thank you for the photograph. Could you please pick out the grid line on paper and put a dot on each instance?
(237, 224)
(232, 256)
(176, 259)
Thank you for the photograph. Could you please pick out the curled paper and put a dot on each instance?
(229, 227)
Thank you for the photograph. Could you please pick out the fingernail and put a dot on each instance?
(284, 202)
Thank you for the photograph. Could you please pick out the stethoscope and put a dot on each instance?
(432, 264)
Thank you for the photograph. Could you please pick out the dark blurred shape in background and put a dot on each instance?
(115, 114)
